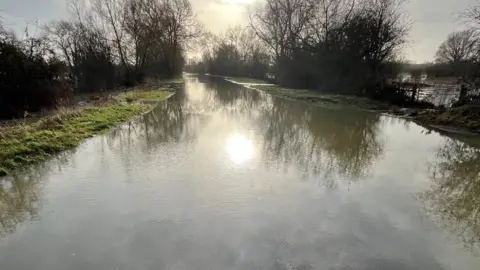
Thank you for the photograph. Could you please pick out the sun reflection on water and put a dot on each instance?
(239, 148)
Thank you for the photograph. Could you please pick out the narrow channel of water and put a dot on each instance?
(224, 177)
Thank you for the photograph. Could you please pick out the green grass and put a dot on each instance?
(144, 96)
(31, 142)
(243, 80)
(323, 99)
(26, 144)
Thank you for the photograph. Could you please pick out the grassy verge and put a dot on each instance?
(242, 80)
(323, 99)
(143, 96)
(26, 144)
(465, 117)
(30, 142)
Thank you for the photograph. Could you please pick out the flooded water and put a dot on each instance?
(440, 95)
(223, 177)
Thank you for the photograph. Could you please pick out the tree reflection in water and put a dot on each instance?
(19, 200)
(455, 192)
(320, 141)
(317, 141)
(21, 193)
(166, 123)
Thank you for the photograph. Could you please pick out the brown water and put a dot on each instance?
(222, 177)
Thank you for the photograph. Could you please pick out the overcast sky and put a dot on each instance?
(432, 20)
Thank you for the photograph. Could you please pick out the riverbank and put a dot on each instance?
(312, 97)
(323, 99)
(240, 80)
(462, 120)
(243, 80)
(309, 96)
(29, 141)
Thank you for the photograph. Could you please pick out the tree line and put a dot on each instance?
(345, 46)
(103, 44)
(460, 52)
(237, 52)
(342, 46)
(458, 56)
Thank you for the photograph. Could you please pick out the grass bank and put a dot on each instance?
(462, 119)
(239, 80)
(143, 96)
(27, 142)
(323, 99)
(243, 80)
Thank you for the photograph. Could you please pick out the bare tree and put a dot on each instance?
(62, 36)
(103, 44)
(237, 52)
(281, 24)
(86, 54)
(145, 36)
(471, 17)
(459, 47)
(111, 12)
(320, 43)
(180, 28)
(330, 15)
(378, 31)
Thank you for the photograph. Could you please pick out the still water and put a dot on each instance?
(224, 177)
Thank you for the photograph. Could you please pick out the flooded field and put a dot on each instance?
(224, 177)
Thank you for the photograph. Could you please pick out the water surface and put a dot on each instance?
(223, 177)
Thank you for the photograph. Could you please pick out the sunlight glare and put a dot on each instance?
(239, 149)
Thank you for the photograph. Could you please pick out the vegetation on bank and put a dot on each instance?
(348, 54)
(348, 50)
(30, 142)
(323, 99)
(99, 48)
(26, 144)
(143, 96)
(464, 117)
(245, 80)
(462, 120)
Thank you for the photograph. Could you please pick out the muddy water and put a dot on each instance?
(222, 177)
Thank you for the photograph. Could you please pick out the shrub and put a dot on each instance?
(28, 81)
